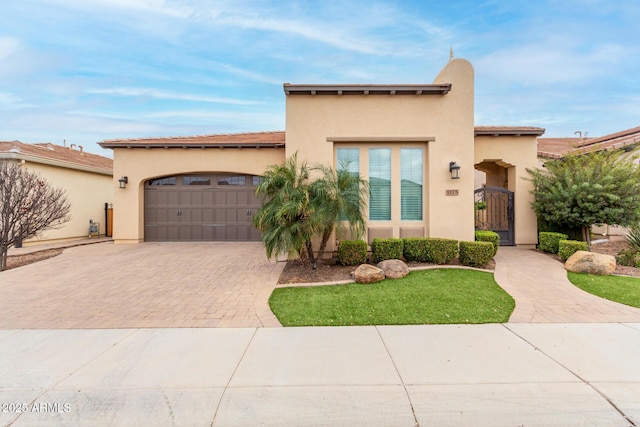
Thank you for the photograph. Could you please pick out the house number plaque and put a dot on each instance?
(451, 192)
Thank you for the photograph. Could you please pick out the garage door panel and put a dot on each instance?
(198, 213)
(220, 215)
(207, 215)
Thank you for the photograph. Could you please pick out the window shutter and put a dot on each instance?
(380, 184)
(411, 184)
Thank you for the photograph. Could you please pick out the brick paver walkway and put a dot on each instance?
(543, 293)
(212, 284)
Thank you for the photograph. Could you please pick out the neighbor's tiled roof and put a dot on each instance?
(553, 148)
(557, 147)
(508, 130)
(55, 154)
(249, 139)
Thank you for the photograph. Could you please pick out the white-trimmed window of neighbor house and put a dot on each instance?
(411, 184)
(379, 184)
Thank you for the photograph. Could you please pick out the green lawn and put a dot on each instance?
(440, 296)
(625, 290)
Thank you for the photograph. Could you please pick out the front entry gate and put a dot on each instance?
(494, 211)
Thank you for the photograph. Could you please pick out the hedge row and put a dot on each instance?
(475, 254)
(430, 249)
(421, 249)
(489, 236)
(352, 252)
(566, 248)
(549, 241)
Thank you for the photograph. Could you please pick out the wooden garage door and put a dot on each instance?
(212, 207)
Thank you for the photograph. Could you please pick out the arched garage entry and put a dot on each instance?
(201, 207)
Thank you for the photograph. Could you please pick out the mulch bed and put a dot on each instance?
(296, 272)
(14, 261)
(609, 248)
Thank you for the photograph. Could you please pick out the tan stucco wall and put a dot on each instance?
(516, 153)
(443, 124)
(87, 193)
(142, 164)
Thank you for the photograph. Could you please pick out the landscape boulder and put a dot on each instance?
(590, 262)
(366, 273)
(393, 268)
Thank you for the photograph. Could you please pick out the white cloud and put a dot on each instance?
(550, 62)
(161, 7)
(161, 94)
(8, 46)
(10, 101)
(244, 117)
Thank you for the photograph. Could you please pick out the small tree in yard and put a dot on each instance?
(29, 205)
(295, 208)
(338, 195)
(581, 190)
(284, 217)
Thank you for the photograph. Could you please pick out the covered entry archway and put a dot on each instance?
(201, 207)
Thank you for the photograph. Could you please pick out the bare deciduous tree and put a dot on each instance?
(29, 205)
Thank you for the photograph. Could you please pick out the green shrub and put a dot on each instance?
(489, 236)
(566, 248)
(415, 249)
(633, 237)
(548, 241)
(382, 249)
(476, 254)
(352, 252)
(441, 251)
(629, 257)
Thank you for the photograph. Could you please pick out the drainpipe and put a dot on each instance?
(106, 219)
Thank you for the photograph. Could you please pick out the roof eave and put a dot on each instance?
(367, 89)
(55, 162)
(509, 132)
(140, 144)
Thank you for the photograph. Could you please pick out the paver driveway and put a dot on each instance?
(150, 285)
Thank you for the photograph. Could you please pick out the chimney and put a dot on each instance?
(80, 147)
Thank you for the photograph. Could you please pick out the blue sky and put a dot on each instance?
(88, 70)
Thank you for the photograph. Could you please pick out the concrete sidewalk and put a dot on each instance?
(446, 375)
(543, 294)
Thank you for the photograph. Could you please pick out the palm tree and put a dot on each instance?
(337, 196)
(284, 218)
(294, 208)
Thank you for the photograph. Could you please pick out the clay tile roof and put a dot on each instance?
(49, 153)
(557, 147)
(249, 140)
(508, 130)
(554, 148)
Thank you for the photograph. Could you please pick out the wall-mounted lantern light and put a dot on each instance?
(454, 169)
(123, 181)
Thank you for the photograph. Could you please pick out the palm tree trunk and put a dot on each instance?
(323, 245)
(310, 254)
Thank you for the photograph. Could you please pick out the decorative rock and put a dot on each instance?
(366, 273)
(393, 268)
(590, 262)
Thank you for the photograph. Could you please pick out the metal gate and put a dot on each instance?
(494, 211)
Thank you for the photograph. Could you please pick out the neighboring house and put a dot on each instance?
(402, 138)
(555, 148)
(86, 178)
